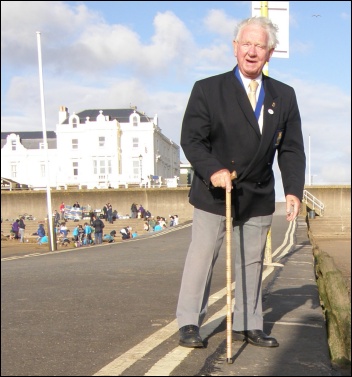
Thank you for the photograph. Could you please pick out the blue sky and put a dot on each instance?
(110, 54)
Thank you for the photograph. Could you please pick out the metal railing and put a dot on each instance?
(313, 203)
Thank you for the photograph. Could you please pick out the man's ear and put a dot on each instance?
(235, 46)
(270, 54)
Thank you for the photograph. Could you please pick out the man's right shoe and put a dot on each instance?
(189, 337)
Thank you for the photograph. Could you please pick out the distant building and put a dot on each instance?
(186, 174)
(93, 148)
(23, 157)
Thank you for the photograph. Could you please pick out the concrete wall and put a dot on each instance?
(159, 201)
(336, 199)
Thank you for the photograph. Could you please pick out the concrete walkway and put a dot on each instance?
(293, 315)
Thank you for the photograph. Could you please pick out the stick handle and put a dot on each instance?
(233, 175)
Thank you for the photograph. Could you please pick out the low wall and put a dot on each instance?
(159, 201)
(336, 199)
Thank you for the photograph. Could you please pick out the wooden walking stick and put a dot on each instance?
(229, 273)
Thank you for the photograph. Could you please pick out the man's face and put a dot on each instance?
(252, 50)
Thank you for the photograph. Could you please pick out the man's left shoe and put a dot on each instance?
(255, 337)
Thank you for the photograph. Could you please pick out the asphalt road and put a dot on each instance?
(108, 310)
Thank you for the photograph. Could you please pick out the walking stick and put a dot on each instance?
(229, 273)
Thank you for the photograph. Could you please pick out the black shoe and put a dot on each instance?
(189, 337)
(255, 337)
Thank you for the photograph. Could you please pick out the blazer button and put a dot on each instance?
(269, 163)
(233, 162)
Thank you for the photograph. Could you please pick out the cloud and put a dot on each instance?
(219, 23)
(345, 16)
(57, 22)
(325, 113)
(89, 63)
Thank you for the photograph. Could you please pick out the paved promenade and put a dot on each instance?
(293, 314)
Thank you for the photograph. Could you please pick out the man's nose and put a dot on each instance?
(252, 50)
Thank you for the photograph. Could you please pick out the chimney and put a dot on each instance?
(63, 114)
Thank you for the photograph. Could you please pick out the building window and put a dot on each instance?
(74, 123)
(74, 143)
(136, 169)
(101, 167)
(135, 121)
(75, 168)
(13, 145)
(42, 170)
(13, 170)
(101, 141)
(135, 142)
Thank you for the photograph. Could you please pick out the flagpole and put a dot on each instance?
(52, 245)
(264, 13)
(309, 173)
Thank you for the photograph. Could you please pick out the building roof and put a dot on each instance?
(31, 139)
(121, 115)
(7, 184)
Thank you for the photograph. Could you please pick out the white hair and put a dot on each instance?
(263, 22)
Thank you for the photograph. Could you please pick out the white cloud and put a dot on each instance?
(89, 63)
(57, 22)
(345, 16)
(218, 22)
(326, 113)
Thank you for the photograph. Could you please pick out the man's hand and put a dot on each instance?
(222, 178)
(293, 205)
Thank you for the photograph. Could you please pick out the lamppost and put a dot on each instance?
(140, 166)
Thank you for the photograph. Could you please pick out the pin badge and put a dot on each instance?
(270, 111)
(273, 104)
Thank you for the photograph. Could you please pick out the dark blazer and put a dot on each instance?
(220, 130)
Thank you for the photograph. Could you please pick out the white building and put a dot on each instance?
(93, 148)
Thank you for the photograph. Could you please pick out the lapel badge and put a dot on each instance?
(273, 104)
(270, 111)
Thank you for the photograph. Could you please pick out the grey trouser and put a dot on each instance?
(21, 232)
(208, 232)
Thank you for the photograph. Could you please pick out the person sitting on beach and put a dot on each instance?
(40, 233)
(126, 232)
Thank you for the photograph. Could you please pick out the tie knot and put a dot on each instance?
(253, 85)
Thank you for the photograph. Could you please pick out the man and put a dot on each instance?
(56, 218)
(98, 226)
(222, 133)
(22, 227)
(62, 210)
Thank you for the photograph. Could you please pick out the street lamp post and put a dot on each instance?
(140, 166)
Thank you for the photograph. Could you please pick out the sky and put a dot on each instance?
(113, 54)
